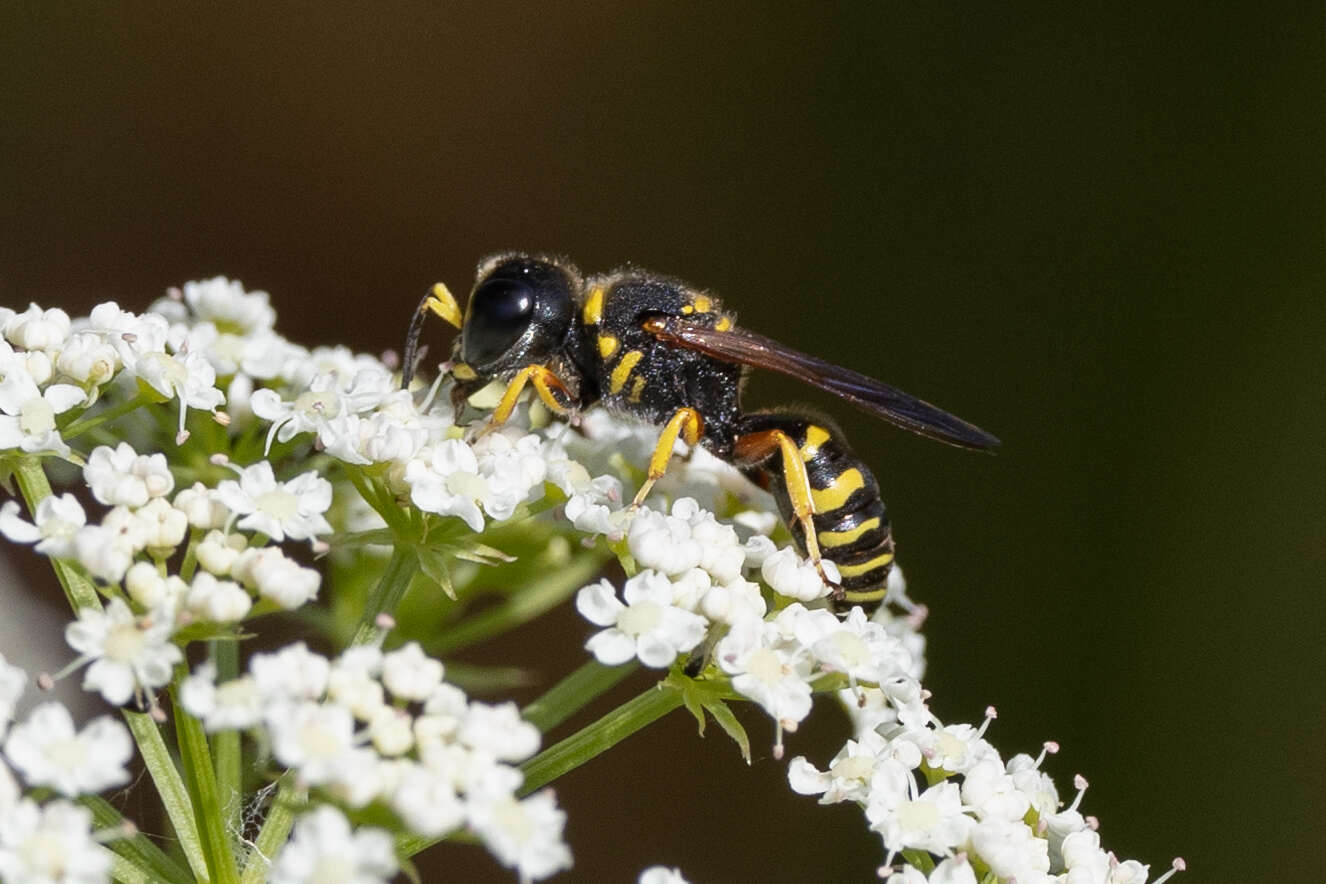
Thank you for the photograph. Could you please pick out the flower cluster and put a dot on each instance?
(54, 841)
(188, 527)
(371, 727)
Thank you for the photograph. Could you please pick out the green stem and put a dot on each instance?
(529, 603)
(226, 747)
(573, 693)
(79, 427)
(36, 488)
(599, 737)
(387, 594)
(201, 779)
(275, 829)
(126, 871)
(170, 786)
(137, 852)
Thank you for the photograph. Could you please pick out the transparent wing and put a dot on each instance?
(748, 348)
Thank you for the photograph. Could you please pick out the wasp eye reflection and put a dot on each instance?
(500, 311)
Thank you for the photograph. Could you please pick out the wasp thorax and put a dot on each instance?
(519, 312)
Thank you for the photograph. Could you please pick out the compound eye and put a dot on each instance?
(500, 311)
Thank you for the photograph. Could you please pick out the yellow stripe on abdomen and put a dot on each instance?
(851, 535)
(857, 570)
(826, 500)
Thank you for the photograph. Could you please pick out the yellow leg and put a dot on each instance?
(686, 423)
(548, 385)
(755, 447)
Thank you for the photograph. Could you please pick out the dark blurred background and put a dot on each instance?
(1096, 232)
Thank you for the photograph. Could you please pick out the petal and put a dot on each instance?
(655, 652)
(598, 604)
(611, 647)
(63, 397)
(15, 528)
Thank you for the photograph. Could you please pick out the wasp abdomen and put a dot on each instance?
(850, 522)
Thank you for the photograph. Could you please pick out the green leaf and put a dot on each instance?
(434, 565)
(136, 850)
(200, 777)
(728, 722)
(170, 786)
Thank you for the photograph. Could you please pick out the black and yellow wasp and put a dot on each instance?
(655, 349)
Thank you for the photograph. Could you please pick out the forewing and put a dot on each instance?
(748, 348)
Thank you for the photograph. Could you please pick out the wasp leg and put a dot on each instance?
(686, 423)
(548, 385)
(759, 446)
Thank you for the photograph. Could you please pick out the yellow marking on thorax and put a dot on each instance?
(608, 345)
(463, 372)
(702, 303)
(593, 311)
(857, 570)
(637, 387)
(826, 500)
(622, 370)
(815, 437)
(851, 535)
(724, 324)
(687, 309)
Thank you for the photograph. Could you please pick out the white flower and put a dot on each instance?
(391, 731)
(37, 329)
(232, 705)
(128, 653)
(106, 552)
(500, 731)
(734, 601)
(218, 551)
(224, 303)
(291, 509)
(52, 843)
(275, 576)
(221, 601)
(860, 648)
(954, 870)
(87, 360)
(662, 875)
(48, 752)
(131, 336)
(992, 793)
(164, 527)
(12, 682)
(323, 848)
(663, 543)
(201, 509)
(851, 772)
(649, 626)
(524, 835)
(409, 674)
(933, 820)
(28, 419)
(321, 408)
(312, 738)
(1010, 849)
(775, 677)
(189, 378)
(790, 575)
(454, 479)
(57, 520)
(120, 476)
(292, 673)
(427, 802)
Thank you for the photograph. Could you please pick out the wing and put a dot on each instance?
(747, 348)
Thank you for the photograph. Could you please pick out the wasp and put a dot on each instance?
(652, 348)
